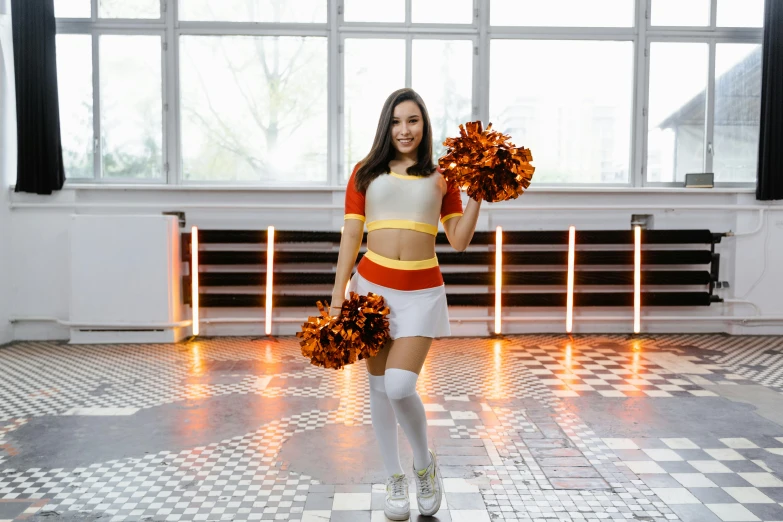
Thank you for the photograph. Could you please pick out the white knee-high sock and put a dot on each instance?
(401, 390)
(385, 425)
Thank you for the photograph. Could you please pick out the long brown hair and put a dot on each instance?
(383, 151)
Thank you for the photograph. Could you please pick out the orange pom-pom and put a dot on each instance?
(486, 164)
(359, 332)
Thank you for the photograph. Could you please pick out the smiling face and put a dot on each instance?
(407, 128)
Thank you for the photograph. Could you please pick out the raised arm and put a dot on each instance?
(460, 229)
(459, 225)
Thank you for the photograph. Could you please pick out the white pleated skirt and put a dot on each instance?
(412, 313)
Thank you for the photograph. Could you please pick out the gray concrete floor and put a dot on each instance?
(528, 428)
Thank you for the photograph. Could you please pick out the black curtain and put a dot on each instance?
(770, 173)
(40, 155)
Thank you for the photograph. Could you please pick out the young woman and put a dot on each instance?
(397, 190)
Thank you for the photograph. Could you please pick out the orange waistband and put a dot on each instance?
(399, 279)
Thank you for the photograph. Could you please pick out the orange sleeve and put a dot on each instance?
(354, 200)
(452, 203)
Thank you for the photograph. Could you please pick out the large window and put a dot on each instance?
(253, 108)
(108, 9)
(74, 81)
(270, 11)
(368, 81)
(442, 74)
(676, 133)
(111, 106)
(695, 13)
(131, 100)
(737, 111)
(575, 117)
(279, 92)
(563, 13)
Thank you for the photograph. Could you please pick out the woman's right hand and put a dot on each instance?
(336, 306)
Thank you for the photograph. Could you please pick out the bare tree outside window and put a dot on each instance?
(442, 73)
(131, 106)
(253, 108)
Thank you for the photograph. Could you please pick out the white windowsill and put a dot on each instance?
(327, 188)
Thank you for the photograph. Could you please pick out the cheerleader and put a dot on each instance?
(398, 192)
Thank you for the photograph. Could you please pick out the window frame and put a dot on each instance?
(336, 30)
(95, 28)
(711, 35)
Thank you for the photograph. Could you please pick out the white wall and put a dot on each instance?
(40, 239)
(758, 274)
(7, 165)
(34, 240)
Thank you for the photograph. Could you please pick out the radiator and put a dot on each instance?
(125, 279)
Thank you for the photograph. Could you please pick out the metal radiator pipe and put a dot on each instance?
(178, 324)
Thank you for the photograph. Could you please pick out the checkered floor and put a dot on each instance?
(613, 373)
(519, 424)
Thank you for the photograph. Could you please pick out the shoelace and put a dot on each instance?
(398, 486)
(425, 485)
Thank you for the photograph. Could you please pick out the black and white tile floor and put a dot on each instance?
(534, 428)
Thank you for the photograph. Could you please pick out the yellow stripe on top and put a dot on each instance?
(355, 216)
(401, 265)
(405, 176)
(446, 218)
(403, 224)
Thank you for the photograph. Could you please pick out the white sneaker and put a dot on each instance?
(397, 505)
(429, 487)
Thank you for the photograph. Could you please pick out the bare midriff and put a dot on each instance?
(401, 244)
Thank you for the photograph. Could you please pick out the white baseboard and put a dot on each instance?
(104, 336)
(47, 331)
(40, 331)
(750, 329)
(6, 331)
(472, 329)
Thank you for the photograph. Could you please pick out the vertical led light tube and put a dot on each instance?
(570, 284)
(270, 257)
(498, 277)
(637, 279)
(194, 279)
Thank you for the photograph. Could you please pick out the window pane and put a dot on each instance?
(74, 87)
(301, 11)
(72, 9)
(694, 13)
(740, 13)
(129, 8)
(368, 82)
(443, 76)
(131, 106)
(374, 11)
(576, 118)
(442, 11)
(254, 108)
(737, 111)
(563, 13)
(678, 84)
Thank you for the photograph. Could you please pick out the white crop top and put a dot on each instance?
(403, 201)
